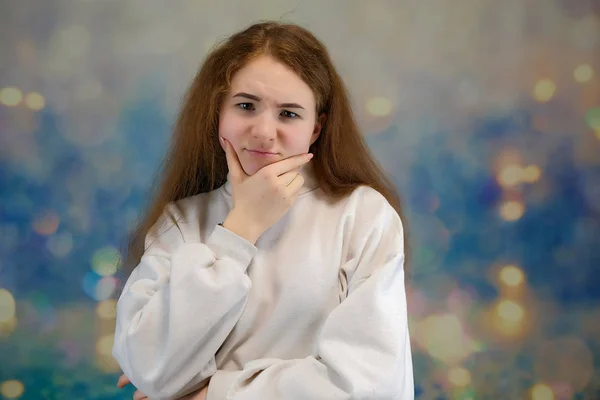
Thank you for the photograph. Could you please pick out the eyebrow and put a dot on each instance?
(256, 98)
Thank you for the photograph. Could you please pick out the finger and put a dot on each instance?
(203, 393)
(283, 166)
(123, 381)
(288, 177)
(293, 189)
(233, 162)
(138, 395)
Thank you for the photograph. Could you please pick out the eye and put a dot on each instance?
(246, 106)
(289, 114)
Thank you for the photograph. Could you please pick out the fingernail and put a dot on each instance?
(310, 156)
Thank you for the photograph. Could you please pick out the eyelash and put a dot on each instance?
(286, 114)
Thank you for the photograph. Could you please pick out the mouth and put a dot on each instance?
(259, 153)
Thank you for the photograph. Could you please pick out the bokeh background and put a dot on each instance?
(486, 114)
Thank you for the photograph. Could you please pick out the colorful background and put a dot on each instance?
(486, 113)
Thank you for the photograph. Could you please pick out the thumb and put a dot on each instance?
(233, 163)
(123, 381)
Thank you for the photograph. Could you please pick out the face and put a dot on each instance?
(269, 114)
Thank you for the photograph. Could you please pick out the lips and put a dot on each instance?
(261, 153)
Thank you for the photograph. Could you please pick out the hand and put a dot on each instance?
(138, 395)
(124, 381)
(197, 395)
(260, 200)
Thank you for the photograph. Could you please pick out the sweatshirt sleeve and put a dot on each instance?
(179, 305)
(363, 350)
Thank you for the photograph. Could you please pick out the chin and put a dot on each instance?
(250, 171)
(252, 168)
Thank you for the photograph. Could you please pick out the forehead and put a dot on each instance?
(273, 81)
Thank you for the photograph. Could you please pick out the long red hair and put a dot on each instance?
(195, 162)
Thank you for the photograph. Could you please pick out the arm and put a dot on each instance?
(363, 351)
(178, 306)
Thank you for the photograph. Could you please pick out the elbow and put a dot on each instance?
(154, 389)
(154, 375)
(158, 386)
(402, 381)
(145, 374)
(150, 381)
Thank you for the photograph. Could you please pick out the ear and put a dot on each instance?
(318, 127)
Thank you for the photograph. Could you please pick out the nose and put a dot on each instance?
(264, 130)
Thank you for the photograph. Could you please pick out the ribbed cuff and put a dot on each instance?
(226, 244)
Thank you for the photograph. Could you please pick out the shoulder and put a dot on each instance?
(367, 204)
(373, 234)
(189, 209)
(366, 195)
(180, 217)
(366, 215)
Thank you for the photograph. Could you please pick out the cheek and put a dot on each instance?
(231, 129)
(298, 139)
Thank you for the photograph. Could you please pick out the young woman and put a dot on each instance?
(270, 263)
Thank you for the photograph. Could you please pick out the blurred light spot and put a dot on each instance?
(72, 352)
(7, 327)
(459, 376)
(417, 304)
(105, 345)
(592, 117)
(45, 311)
(7, 306)
(75, 40)
(379, 106)
(507, 157)
(12, 389)
(46, 223)
(583, 73)
(444, 338)
(510, 175)
(510, 311)
(566, 361)
(508, 319)
(541, 392)
(88, 90)
(35, 101)
(510, 275)
(105, 288)
(459, 300)
(90, 281)
(11, 96)
(562, 390)
(61, 68)
(544, 90)
(531, 173)
(512, 210)
(60, 245)
(105, 261)
(107, 309)
(107, 364)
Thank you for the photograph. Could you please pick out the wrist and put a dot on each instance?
(235, 223)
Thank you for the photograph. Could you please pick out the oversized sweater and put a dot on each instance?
(316, 309)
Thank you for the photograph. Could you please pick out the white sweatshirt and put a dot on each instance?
(316, 309)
